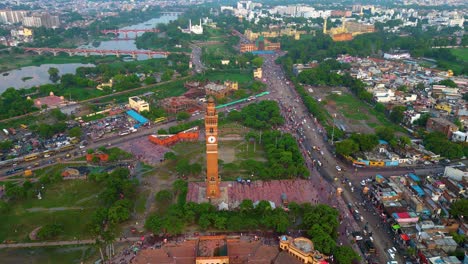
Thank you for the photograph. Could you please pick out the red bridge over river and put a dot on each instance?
(126, 31)
(87, 52)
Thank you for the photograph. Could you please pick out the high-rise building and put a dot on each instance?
(211, 127)
(42, 20)
(32, 21)
(10, 16)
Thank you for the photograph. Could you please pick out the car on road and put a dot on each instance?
(357, 216)
(338, 168)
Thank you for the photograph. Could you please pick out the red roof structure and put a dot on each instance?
(51, 101)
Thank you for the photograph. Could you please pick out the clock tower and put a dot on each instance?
(211, 131)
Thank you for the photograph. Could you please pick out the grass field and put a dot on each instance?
(354, 109)
(462, 54)
(240, 76)
(49, 255)
(140, 203)
(73, 203)
(219, 50)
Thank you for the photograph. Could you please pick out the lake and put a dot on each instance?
(39, 73)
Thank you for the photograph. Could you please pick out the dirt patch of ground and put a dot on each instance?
(227, 153)
(144, 150)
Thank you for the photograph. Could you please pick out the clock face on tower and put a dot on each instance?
(211, 139)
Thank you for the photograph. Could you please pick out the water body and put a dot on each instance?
(39, 73)
(130, 44)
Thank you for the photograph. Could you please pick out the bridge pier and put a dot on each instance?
(86, 54)
(134, 56)
(150, 55)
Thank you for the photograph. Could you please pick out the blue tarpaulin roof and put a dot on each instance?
(414, 177)
(141, 119)
(418, 190)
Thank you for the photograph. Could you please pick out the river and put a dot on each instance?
(38, 75)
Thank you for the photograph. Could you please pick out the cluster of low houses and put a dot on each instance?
(417, 211)
(384, 77)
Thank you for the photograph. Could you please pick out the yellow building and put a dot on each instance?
(257, 73)
(302, 249)
(220, 90)
(444, 107)
(103, 85)
(274, 34)
(138, 104)
(27, 32)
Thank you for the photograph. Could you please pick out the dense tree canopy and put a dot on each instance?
(263, 115)
(439, 144)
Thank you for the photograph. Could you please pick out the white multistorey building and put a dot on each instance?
(13, 17)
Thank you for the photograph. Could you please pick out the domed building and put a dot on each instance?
(302, 249)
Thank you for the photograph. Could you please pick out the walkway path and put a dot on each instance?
(53, 209)
(63, 243)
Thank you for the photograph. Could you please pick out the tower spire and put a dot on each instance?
(211, 131)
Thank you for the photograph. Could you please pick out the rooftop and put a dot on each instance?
(212, 247)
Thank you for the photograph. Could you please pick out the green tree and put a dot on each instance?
(58, 115)
(183, 167)
(246, 205)
(154, 223)
(6, 145)
(422, 121)
(164, 196)
(53, 74)
(366, 142)
(385, 133)
(4, 207)
(459, 208)
(75, 132)
(204, 221)
(183, 116)
(150, 80)
(396, 114)
(220, 222)
(346, 147)
(449, 83)
(50, 231)
(322, 241)
(167, 75)
(404, 141)
(118, 212)
(170, 155)
(346, 255)
(402, 88)
(257, 62)
(162, 131)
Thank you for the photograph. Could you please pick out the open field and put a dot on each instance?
(236, 75)
(48, 255)
(351, 113)
(218, 50)
(70, 203)
(462, 54)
